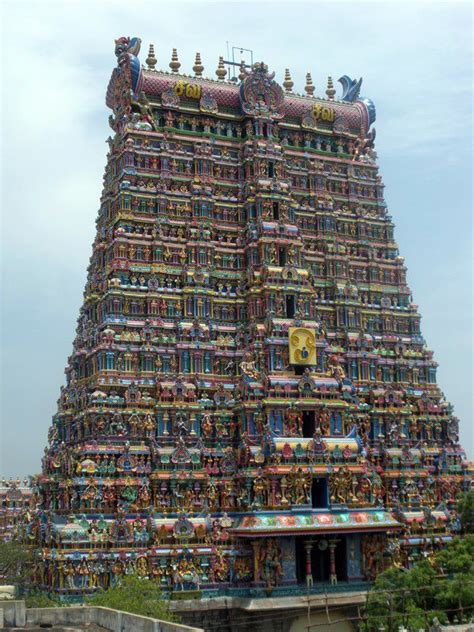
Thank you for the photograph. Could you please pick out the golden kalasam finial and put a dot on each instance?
(151, 59)
(330, 91)
(221, 71)
(174, 63)
(198, 67)
(309, 87)
(242, 73)
(288, 83)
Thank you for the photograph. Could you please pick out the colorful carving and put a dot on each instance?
(302, 343)
(350, 88)
(248, 387)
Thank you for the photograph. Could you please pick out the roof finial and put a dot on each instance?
(288, 83)
(151, 59)
(198, 67)
(330, 91)
(221, 71)
(174, 63)
(242, 73)
(309, 87)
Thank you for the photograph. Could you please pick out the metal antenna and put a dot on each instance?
(233, 64)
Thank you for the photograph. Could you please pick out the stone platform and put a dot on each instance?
(279, 614)
(15, 616)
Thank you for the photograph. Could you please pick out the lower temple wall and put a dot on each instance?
(282, 614)
(288, 621)
(221, 614)
(12, 612)
(15, 614)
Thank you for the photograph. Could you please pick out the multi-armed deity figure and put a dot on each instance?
(249, 401)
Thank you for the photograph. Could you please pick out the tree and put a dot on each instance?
(39, 599)
(466, 511)
(442, 587)
(16, 565)
(134, 595)
(16, 561)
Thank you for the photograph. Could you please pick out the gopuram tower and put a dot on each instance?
(250, 406)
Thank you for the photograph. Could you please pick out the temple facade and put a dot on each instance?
(250, 404)
(15, 507)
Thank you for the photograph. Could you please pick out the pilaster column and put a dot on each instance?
(308, 547)
(332, 561)
(256, 567)
(274, 484)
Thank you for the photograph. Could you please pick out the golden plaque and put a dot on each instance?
(302, 345)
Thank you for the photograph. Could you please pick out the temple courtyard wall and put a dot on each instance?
(331, 613)
(14, 614)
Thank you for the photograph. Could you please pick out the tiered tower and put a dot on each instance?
(249, 402)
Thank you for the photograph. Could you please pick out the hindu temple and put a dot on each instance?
(250, 406)
(15, 507)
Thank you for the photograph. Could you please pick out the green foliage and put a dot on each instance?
(16, 562)
(38, 599)
(442, 587)
(466, 511)
(134, 595)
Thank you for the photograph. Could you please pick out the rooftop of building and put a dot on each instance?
(254, 91)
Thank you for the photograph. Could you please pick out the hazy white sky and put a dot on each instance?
(416, 60)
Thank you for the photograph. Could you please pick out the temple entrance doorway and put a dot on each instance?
(309, 422)
(319, 493)
(320, 551)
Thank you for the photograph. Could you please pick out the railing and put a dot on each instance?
(297, 590)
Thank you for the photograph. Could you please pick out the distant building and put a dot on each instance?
(15, 498)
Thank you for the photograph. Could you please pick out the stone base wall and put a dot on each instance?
(283, 614)
(15, 614)
(220, 614)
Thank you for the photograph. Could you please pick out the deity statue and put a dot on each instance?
(269, 560)
(335, 370)
(248, 368)
(260, 486)
(373, 549)
(206, 424)
(324, 421)
(340, 485)
(300, 483)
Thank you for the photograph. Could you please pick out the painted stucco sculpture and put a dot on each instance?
(249, 404)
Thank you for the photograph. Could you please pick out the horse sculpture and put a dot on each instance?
(185, 574)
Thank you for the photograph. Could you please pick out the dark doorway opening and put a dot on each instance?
(290, 306)
(341, 560)
(319, 493)
(271, 170)
(320, 559)
(282, 257)
(308, 423)
(276, 211)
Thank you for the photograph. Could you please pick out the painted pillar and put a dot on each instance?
(274, 485)
(332, 561)
(308, 547)
(256, 566)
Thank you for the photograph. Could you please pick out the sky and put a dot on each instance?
(57, 57)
